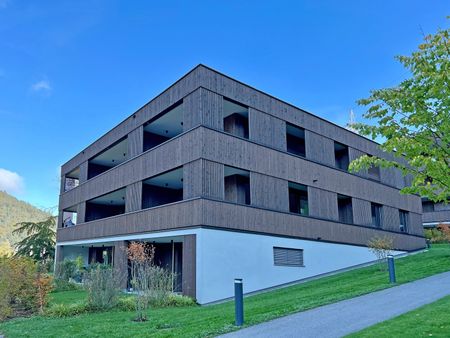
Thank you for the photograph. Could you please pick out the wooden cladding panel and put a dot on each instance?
(232, 151)
(192, 179)
(133, 197)
(238, 217)
(120, 261)
(269, 192)
(362, 212)
(171, 216)
(322, 203)
(319, 148)
(213, 179)
(81, 212)
(200, 212)
(135, 142)
(189, 265)
(266, 129)
(390, 219)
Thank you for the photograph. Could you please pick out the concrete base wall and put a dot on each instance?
(224, 255)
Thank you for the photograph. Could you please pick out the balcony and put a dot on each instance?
(164, 126)
(109, 158)
(163, 189)
(72, 179)
(107, 205)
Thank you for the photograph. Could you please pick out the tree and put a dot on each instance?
(413, 119)
(39, 243)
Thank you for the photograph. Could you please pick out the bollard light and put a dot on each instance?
(391, 266)
(238, 302)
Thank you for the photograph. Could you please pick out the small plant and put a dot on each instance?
(445, 231)
(152, 284)
(67, 310)
(43, 285)
(103, 286)
(381, 247)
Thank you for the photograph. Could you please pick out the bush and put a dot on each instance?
(23, 289)
(381, 247)
(103, 286)
(128, 303)
(63, 285)
(67, 310)
(66, 270)
(176, 300)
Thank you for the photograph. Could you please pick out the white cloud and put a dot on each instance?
(42, 85)
(11, 182)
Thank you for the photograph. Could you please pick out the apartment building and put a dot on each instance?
(435, 213)
(229, 182)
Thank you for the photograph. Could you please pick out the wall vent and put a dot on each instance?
(287, 257)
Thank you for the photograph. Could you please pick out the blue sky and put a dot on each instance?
(71, 70)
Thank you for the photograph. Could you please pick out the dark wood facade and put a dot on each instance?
(204, 148)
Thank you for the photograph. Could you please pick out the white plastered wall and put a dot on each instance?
(225, 255)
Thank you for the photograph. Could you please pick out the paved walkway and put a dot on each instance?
(352, 315)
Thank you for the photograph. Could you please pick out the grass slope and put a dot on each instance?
(427, 321)
(216, 319)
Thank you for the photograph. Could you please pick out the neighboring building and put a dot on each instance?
(229, 182)
(435, 213)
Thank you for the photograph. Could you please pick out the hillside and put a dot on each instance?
(13, 211)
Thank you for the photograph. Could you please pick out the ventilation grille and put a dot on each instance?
(287, 257)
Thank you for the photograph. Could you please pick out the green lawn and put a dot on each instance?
(206, 321)
(428, 321)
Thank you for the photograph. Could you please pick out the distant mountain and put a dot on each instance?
(13, 211)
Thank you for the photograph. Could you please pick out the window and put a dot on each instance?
(235, 118)
(287, 257)
(163, 189)
(295, 140)
(298, 198)
(374, 172)
(341, 156)
(164, 126)
(376, 215)
(345, 209)
(237, 185)
(427, 206)
(404, 220)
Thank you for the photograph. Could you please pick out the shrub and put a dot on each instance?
(67, 310)
(103, 286)
(381, 247)
(23, 289)
(445, 230)
(66, 270)
(152, 284)
(180, 300)
(127, 303)
(63, 285)
(43, 285)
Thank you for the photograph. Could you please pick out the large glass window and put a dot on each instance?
(376, 215)
(345, 209)
(341, 156)
(295, 140)
(298, 198)
(404, 220)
